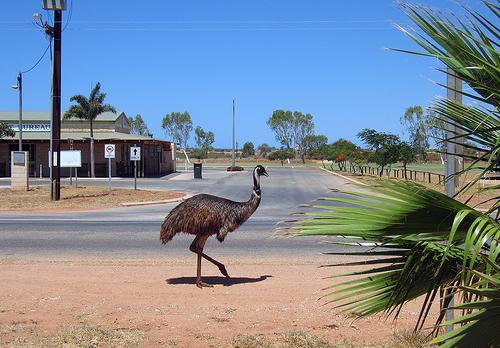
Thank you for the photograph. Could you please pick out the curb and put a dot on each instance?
(172, 200)
(343, 177)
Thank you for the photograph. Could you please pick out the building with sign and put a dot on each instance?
(157, 157)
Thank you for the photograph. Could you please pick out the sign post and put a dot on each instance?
(109, 153)
(135, 155)
(70, 142)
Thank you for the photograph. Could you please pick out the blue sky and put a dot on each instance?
(327, 58)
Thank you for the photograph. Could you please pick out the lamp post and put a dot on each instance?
(19, 87)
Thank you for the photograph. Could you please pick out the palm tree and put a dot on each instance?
(88, 109)
(433, 245)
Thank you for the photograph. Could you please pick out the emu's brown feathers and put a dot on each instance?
(206, 215)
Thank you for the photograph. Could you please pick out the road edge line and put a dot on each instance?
(343, 177)
(171, 200)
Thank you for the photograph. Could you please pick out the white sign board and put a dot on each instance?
(135, 153)
(71, 159)
(109, 151)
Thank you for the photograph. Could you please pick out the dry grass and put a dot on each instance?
(251, 341)
(78, 198)
(302, 339)
(410, 339)
(84, 336)
(90, 336)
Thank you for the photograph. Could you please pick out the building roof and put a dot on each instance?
(13, 116)
(83, 136)
(43, 117)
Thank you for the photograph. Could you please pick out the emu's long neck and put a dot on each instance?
(256, 183)
(256, 193)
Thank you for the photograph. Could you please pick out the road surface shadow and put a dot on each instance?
(216, 280)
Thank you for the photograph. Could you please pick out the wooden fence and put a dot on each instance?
(416, 175)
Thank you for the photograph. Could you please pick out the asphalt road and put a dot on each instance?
(133, 232)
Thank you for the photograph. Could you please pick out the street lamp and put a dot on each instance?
(19, 87)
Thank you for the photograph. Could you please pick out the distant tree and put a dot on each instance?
(436, 129)
(199, 154)
(179, 126)
(313, 144)
(303, 127)
(340, 151)
(248, 149)
(385, 147)
(204, 140)
(281, 155)
(263, 150)
(138, 126)
(386, 156)
(358, 159)
(407, 154)
(281, 122)
(88, 109)
(376, 140)
(415, 122)
(6, 131)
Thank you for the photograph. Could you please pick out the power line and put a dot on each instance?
(312, 21)
(235, 29)
(69, 15)
(38, 61)
(219, 29)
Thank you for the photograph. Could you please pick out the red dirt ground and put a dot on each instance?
(158, 297)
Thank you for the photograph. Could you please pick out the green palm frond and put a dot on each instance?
(75, 111)
(398, 211)
(95, 92)
(481, 128)
(470, 49)
(89, 108)
(426, 243)
(429, 237)
(480, 322)
(396, 281)
(479, 125)
(462, 46)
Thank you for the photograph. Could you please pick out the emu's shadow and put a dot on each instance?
(216, 280)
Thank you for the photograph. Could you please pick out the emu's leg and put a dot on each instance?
(197, 247)
(222, 268)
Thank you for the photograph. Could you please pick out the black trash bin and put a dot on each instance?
(197, 170)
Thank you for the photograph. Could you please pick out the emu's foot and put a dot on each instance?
(202, 285)
(222, 269)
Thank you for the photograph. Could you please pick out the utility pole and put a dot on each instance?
(454, 87)
(56, 107)
(54, 33)
(233, 163)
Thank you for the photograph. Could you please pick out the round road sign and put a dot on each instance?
(109, 151)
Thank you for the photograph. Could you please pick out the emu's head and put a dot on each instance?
(260, 170)
(257, 173)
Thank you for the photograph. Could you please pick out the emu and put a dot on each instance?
(204, 215)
